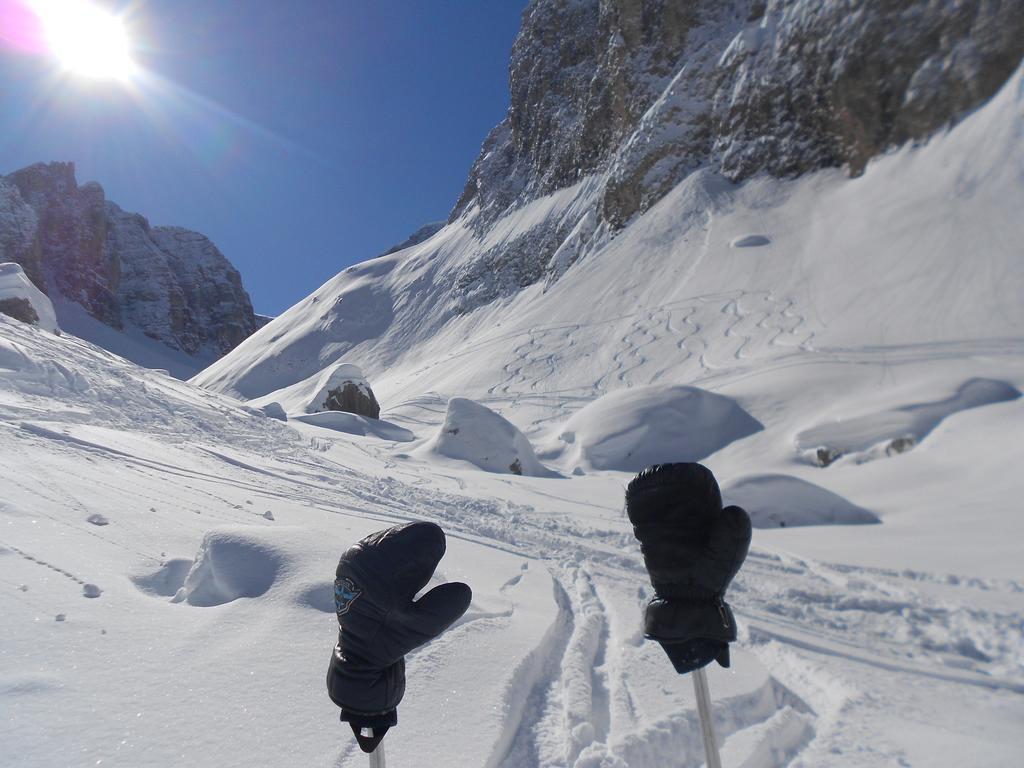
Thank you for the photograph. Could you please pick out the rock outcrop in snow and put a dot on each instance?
(167, 283)
(23, 301)
(352, 396)
(339, 387)
(473, 432)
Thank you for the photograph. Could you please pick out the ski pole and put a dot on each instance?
(700, 687)
(377, 756)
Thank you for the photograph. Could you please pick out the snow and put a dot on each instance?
(130, 342)
(899, 429)
(14, 284)
(781, 501)
(633, 428)
(883, 306)
(230, 565)
(474, 433)
(354, 424)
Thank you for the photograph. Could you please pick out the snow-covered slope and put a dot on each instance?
(166, 560)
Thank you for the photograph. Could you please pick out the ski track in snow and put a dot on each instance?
(574, 701)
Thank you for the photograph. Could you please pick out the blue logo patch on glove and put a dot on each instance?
(345, 593)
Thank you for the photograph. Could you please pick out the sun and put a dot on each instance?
(87, 40)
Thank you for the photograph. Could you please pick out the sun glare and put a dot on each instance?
(87, 40)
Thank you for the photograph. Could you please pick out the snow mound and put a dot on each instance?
(474, 433)
(230, 565)
(898, 430)
(14, 358)
(633, 428)
(17, 294)
(310, 395)
(782, 501)
(354, 424)
(166, 580)
(35, 374)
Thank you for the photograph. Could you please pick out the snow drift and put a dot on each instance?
(634, 428)
(780, 501)
(474, 433)
(897, 430)
(231, 564)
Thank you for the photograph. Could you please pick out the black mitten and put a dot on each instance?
(379, 622)
(692, 549)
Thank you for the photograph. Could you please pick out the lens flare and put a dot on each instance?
(87, 40)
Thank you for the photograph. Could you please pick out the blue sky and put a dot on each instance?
(300, 136)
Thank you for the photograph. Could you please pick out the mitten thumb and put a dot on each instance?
(728, 542)
(432, 614)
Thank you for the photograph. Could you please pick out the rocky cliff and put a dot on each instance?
(629, 97)
(170, 284)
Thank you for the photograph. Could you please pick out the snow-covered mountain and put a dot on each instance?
(644, 138)
(844, 351)
(164, 297)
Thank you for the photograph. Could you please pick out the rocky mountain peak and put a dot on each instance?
(172, 285)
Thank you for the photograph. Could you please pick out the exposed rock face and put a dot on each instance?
(425, 232)
(633, 95)
(172, 284)
(19, 309)
(353, 398)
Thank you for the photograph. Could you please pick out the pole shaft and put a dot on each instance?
(377, 757)
(700, 687)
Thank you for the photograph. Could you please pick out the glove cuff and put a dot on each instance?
(362, 690)
(383, 721)
(671, 620)
(694, 654)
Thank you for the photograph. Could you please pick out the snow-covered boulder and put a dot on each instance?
(633, 428)
(781, 501)
(339, 387)
(473, 432)
(20, 299)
